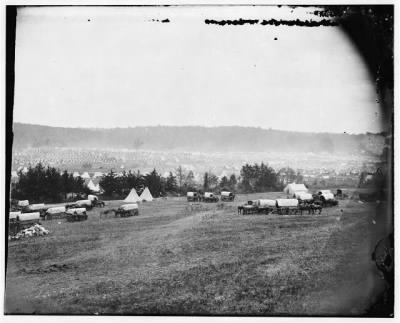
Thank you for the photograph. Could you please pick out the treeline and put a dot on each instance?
(46, 184)
(42, 184)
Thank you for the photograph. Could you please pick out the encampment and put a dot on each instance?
(132, 197)
(146, 195)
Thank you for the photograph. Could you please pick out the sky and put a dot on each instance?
(120, 67)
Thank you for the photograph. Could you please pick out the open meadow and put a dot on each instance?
(174, 259)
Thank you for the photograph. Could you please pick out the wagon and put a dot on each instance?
(41, 208)
(82, 204)
(248, 208)
(76, 214)
(23, 203)
(266, 206)
(304, 197)
(95, 201)
(287, 206)
(193, 197)
(127, 210)
(328, 199)
(227, 196)
(210, 197)
(20, 221)
(55, 212)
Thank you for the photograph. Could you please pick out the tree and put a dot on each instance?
(224, 184)
(180, 175)
(109, 183)
(189, 180)
(43, 185)
(171, 184)
(232, 182)
(153, 182)
(258, 178)
(205, 182)
(212, 181)
(287, 175)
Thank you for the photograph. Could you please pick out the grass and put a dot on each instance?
(172, 260)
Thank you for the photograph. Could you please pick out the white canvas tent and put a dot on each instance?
(93, 187)
(132, 197)
(294, 188)
(146, 195)
(85, 175)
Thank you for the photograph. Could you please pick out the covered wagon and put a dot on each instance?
(95, 201)
(92, 197)
(84, 203)
(23, 203)
(287, 206)
(227, 196)
(266, 206)
(251, 207)
(304, 197)
(193, 197)
(40, 207)
(328, 199)
(210, 197)
(19, 221)
(13, 215)
(126, 210)
(76, 214)
(55, 212)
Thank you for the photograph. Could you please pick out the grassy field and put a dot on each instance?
(174, 260)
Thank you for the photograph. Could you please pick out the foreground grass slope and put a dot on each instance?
(174, 260)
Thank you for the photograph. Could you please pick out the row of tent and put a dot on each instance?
(133, 196)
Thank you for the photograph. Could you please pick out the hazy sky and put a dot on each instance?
(107, 67)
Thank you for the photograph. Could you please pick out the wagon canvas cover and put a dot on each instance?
(266, 203)
(287, 202)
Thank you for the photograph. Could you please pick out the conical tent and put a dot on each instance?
(132, 197)
(146, 195)
(93, 187)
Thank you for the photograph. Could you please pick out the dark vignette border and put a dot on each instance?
(11, 15)
(370, 29)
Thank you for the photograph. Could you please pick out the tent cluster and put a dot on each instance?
(133, 196)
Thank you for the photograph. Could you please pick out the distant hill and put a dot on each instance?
(201, 139)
